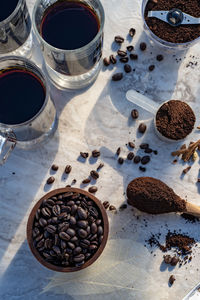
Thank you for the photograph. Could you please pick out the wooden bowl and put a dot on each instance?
(30, 227)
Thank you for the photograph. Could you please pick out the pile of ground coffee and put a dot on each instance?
(175, 119)
(153, 196)
(179, 34)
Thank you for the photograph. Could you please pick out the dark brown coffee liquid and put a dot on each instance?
(22, 95)
(69, 25)
(7, 7)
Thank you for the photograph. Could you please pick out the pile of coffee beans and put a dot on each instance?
(68, 229)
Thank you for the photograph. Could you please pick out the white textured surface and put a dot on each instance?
(99, 117)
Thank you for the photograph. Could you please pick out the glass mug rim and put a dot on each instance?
(9, 18)
(47, 89)
(78, 50)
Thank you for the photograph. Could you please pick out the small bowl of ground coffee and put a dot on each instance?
(178, 37)
(67, 229)
(174, 120)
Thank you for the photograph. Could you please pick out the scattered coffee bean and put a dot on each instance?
(127, 68)
(101, 165)
(68, 169)
(54, 167)
(137, 159)
(145, 159)
(155, 152)
(94, 174)
(120, 160)
(172, 279)
(86, 181)
(117, 76)
(130, 155)
(124, 59)
(142, 169)
(50, 180)
(123, 206)
(130, 48)
(143, 46)
(106, 204)
(198, 180)
(167, 259)
(148, 150)
(118, 151)
(159, 57)
(142, 127)
(112, 59)
(106, 61)
(132, 32)
(84, 154)
(96, 153)
(186, 169)
(144, 146)
(92, 189)
(174, 261)
(119, 39)
(121, 53)
(151, 68)
(133, 56)
(111, 207)
(131, 145)
(134, 114)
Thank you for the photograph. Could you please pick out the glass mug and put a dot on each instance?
(78, 67)
(15, 29)
(42, 123)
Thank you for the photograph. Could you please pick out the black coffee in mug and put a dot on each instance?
(7, 8)
(22, 95)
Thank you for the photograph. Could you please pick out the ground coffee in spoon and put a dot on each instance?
(153, 196)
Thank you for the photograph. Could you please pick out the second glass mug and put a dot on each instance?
(75, 68)
(35, 130)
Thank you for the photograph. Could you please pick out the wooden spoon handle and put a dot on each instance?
(192, 209)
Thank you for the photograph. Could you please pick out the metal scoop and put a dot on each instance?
(174, 17)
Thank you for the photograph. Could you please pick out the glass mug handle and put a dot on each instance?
(7, 144)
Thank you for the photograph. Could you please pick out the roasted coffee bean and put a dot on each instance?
(132, 32)
(88, 229)
(119, 39)
(106, 61)
(36, 232)
(68, 169)
(174, 261)
(112, 59)
(47, 255)
(159, 57)
(39, 237)
(100, 230)
(77, 250)
(92, 247)
(167, 259)
(63, 226)
(64, 236)
(48, 243)
(120, 160)
(145, 159)
(63, 215)
(42, 222)
(106, 204)
(49, 203)
(100, 166)
(93, 189)
(137, 159)
(50, 180)
(94, 174)
(67, 195)
(142, 128)
(74, 239)
(98, 222)
(37, 215)
(143, 46)
(121, 53)
(84, 154)
(59, 202)
(151, 68)
(127, 68)
(56, 210)
(59, 198)
(133, 56)
(54, 198)
(94, 243)
(143, 169)
(84, 243)
(51, 229)
(54, 167)
(112, 208)
(96, 153)
(130, 155)
(148, 150)
(82, 213)
(56, 249)
(40, 243)
(72, 221)
(74, 209)
(74, 197)
(144, 146)
(69, 251)
(117, 76)
(134, 114)
(130, 48)
(87, 255)
(82, 224)
(56, 240)
(54, 220)
(118, 151)
(131, 145)
(71, 245)
(100, 239)
(93, 228)
(79, 258)
(172, 279)
(86, 181)
(91, 219)
(52, 253)
(124, 59)
(71, 232)
(82, 233)
(93, 212)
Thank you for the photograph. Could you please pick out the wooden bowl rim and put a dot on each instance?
(30, 226)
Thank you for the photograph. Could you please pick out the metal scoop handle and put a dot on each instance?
(142, 101)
